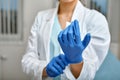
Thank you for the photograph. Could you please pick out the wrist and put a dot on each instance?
(75, 60)
(44, 73)
(76, 69)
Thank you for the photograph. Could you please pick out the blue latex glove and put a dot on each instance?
(56, 66)
(71, 44)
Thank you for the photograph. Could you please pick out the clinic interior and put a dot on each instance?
(17, 17)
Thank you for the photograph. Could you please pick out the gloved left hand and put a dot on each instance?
(56, 66)
(71, 43)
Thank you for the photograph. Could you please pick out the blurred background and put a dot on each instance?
(16, 19)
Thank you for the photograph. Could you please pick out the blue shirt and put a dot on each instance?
(54, 44)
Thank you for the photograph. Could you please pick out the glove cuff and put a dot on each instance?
(74, 60)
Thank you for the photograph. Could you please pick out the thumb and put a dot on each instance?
(86, 40)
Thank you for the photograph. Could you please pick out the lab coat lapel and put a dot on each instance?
(78, 12)
(49, 25)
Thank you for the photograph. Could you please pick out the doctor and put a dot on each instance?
(69, 42)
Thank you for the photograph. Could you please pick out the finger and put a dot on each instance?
(58, 68)
(62, 57)
(76, 27)
(86, 40)
(59, 62)
(70, 34)
(76, 32)
(64, 36)
(60, 38)
(50, 73)
(54, 71)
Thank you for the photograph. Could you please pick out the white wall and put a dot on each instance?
(114, 15)
(114, 24)
(11, 67)
(31, 8)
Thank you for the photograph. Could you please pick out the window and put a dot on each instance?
(10, 20)
(100, 5)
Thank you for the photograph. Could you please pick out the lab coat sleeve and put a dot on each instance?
(30, 61)
(95, 53)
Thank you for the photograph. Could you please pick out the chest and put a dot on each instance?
(44, 35)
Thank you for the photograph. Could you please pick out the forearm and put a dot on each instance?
(76, 69)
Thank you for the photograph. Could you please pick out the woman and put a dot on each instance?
(67, 43)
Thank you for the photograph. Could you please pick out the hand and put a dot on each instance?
(71, 44)
(56, 66)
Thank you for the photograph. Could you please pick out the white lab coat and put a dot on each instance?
(90, 21)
